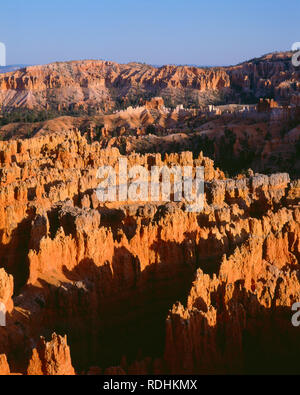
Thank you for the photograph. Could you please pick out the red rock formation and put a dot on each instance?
(155, 103)
(259, 279)
(28, 86)
(6, 290)
(86, 83)
(51, 358)
(265, 105)
(4, 367)
(75, 260)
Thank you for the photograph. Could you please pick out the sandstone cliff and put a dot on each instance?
(102, 84)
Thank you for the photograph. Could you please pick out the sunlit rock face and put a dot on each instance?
(102, 84)
(143, 287)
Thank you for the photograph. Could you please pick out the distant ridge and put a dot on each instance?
(12, 67)
(97, 85)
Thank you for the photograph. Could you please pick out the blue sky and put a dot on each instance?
(153, 31)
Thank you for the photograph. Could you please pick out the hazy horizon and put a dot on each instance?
(22, 65)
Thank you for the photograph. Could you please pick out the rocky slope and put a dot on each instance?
(106, 85)
(143, 287)
(234, 141)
